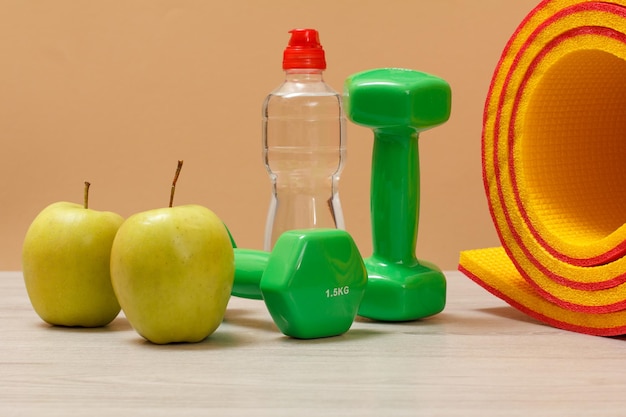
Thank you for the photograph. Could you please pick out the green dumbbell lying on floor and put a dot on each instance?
(312, 282)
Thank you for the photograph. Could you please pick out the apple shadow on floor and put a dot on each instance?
(219, 340)
(118, 324)
(248, 318)
(228, 335)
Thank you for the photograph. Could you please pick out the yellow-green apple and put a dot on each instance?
(65, 263)
(172, 270)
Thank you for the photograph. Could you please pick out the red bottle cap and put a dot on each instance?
(304, 50)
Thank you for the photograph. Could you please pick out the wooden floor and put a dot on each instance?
(479, 357)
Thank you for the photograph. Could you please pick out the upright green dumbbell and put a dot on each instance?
(398, 104)
(312, 282)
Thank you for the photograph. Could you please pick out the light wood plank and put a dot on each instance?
(479, 357)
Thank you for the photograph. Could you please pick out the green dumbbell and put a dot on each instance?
(312, 282)
(398, 104)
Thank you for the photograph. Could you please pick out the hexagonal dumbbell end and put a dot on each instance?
(314, 282)
(396, 97)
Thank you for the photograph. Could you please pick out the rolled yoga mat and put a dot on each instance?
(554, 168)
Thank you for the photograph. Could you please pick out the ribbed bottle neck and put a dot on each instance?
(304, 75)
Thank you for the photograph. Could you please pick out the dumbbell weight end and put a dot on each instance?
(312, 282)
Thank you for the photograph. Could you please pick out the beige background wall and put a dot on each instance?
(115, 92)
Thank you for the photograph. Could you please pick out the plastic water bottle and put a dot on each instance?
(303, 142)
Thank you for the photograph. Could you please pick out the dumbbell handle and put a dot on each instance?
(395, 195)
(249, 267)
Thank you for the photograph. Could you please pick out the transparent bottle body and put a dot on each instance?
(303, 151)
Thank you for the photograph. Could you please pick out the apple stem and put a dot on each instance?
(86, 195)
(178, 168)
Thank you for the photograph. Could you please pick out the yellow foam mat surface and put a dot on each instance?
(554, 168)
